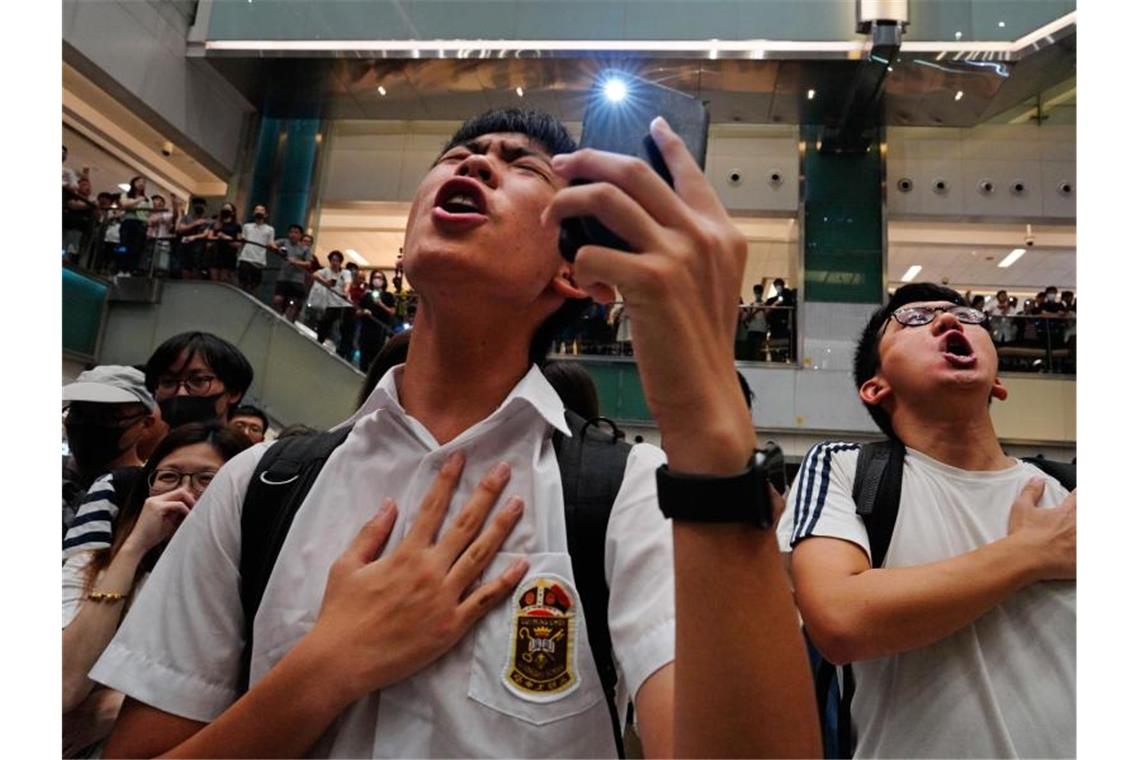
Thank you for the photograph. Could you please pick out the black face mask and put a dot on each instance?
(181, 410)
(259, 217)
(94, 446)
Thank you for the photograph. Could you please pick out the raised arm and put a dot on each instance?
(89, 632)
(381, 620)
(741, 685)
(853, 612)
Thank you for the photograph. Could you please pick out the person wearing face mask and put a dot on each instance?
(98, 585)
(193, 229)
(377, 311)
(112, 423)
(224, 234)
(197, 377)
(258, 237)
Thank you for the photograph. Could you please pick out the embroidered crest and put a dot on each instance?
(542, 664)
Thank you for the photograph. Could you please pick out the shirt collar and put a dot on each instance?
(533, 389)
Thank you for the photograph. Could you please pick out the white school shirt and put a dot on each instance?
(258, 233)
(1002, 686)
(179, 648)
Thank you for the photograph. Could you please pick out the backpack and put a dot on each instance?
(877, 490)
(592, 465)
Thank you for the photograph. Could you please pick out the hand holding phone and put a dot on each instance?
(622, 126)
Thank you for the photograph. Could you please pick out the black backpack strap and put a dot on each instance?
(592, 464)
(877, 490)
(1065, 473)
(276, 490)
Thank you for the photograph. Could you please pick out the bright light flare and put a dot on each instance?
(1013, 256)
(615, 90)
(911, 273)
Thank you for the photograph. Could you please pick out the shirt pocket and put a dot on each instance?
(532, 658)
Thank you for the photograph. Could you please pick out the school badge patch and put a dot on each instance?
(543, 664)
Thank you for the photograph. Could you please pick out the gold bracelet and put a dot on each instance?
(106, 596)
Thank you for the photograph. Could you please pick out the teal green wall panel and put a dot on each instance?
(843, 224)
(84, 299)
(799, 20)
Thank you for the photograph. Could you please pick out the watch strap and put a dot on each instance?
(740, 498)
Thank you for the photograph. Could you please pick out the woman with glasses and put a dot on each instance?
(98, 586)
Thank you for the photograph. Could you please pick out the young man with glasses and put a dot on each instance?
(250, 421)
(197, 377)
(976, 598)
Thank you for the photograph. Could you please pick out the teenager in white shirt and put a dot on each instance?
(258, 237)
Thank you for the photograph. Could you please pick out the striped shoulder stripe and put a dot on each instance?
(101, 539)
(94, 515)
(810, 499)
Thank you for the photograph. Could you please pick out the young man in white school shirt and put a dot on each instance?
(964, 643)
(391, 658)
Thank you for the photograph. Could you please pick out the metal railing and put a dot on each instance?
(764, 334)
(168, 257)
(1039, 343)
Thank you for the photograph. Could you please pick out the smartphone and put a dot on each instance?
(622, 126)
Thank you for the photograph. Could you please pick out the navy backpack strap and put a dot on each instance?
(1065, 473)
(592, 464)
(276, 490)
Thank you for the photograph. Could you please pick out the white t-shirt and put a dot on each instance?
(1003, 686)
(179, 648)
(321, 297)
(257, 233)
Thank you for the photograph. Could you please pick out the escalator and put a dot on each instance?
(295, 380)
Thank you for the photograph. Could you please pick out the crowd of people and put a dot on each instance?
(323, 596)
(352, 311)
(1036, 334)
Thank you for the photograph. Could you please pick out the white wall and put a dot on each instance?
(137, 52)
(1041, 157)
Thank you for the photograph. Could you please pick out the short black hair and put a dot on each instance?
(867, 352)
(352, 266)
(1050, 289)
(550, 134)
(224, 358)
(336, 255)
(297, 227)
(778, 281)
(156, 196)
(575, 386)
(539, 126)
(248, 410)
(197, 200)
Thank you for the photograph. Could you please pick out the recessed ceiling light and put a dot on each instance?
(957, 35)
(811, 94)
(1001, 24)
(519, 91)
(1013, 256)
(959, 95)
(381, 90)
(911, 273)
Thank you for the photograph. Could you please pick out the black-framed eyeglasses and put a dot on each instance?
(167, 480)
(195, 385)
(914, 316)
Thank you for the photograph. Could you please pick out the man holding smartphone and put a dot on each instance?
(434, 635)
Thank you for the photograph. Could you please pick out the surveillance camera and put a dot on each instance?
(775, 178)
(905, 185)
(1018, 187)
(986, 187)
(941, 186)
(1065, 188)
(168, 148)
(1029, 239)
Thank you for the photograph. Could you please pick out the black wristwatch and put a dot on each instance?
(741, 498)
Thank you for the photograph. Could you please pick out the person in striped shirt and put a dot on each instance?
(976, 595)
